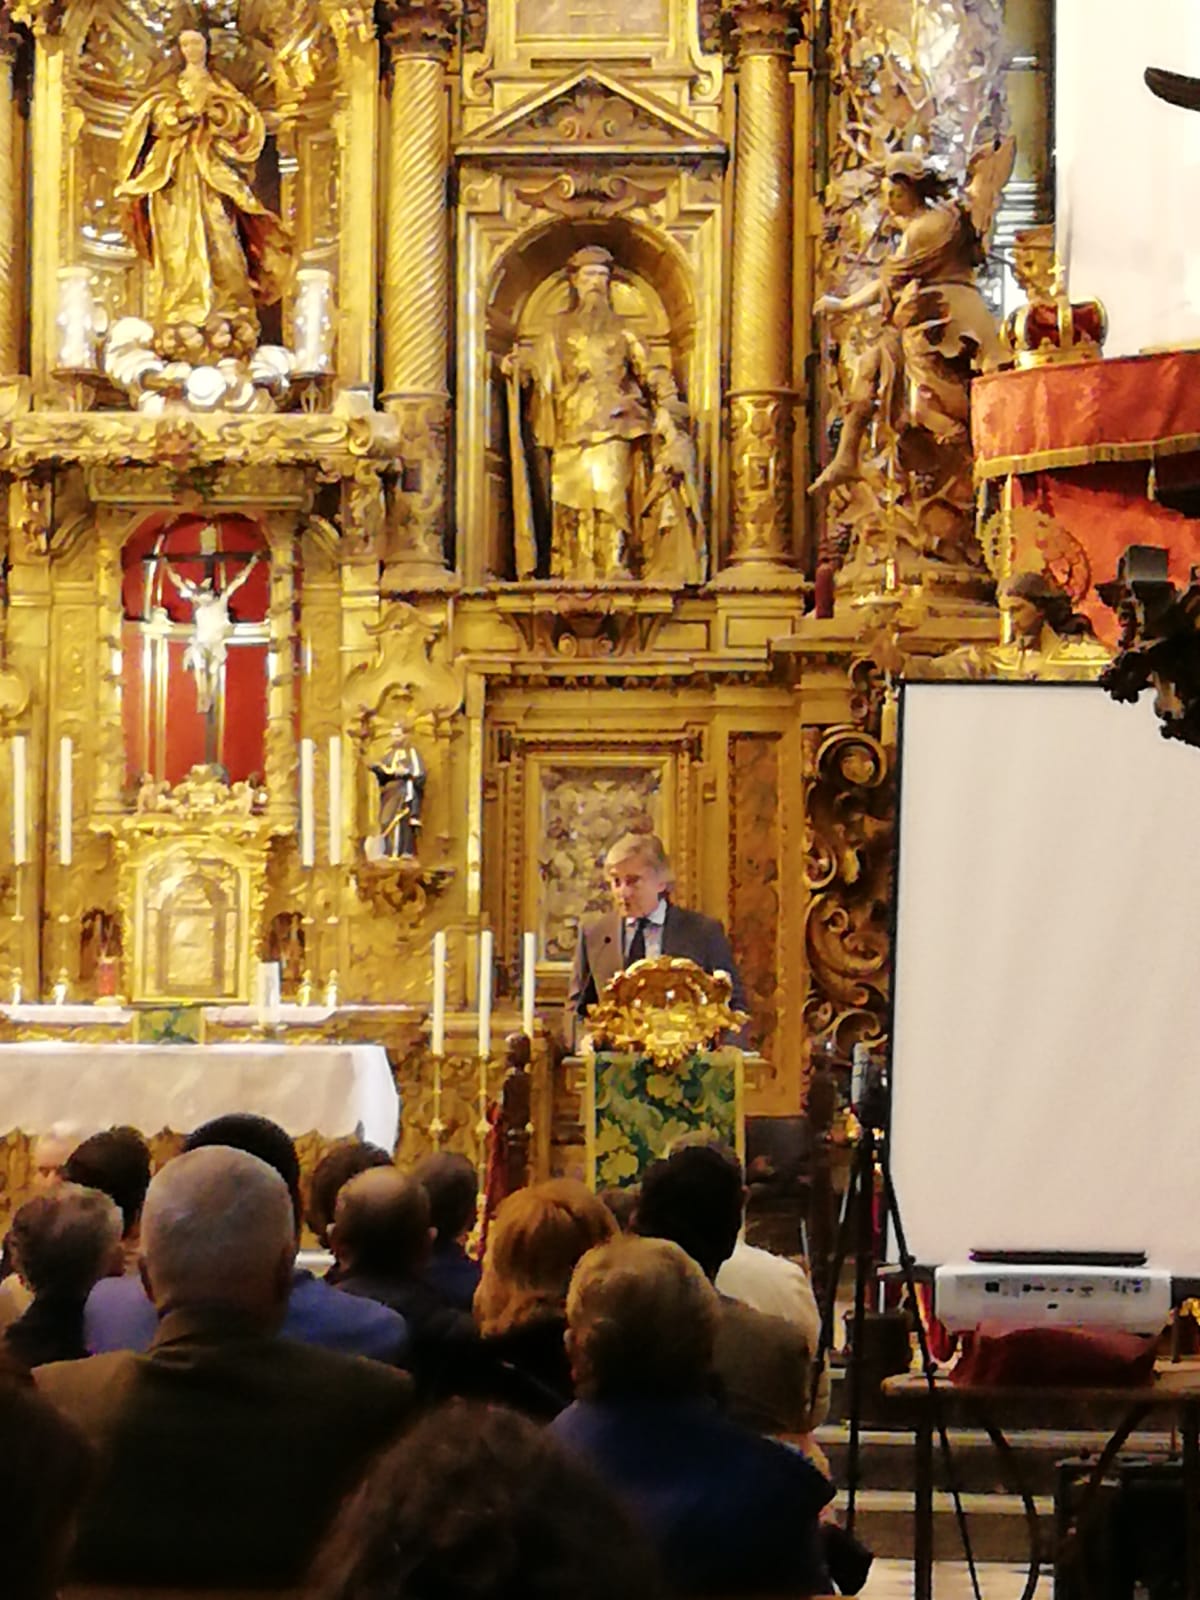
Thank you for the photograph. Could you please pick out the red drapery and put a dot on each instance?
(164, 732)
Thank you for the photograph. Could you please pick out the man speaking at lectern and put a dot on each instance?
(644, 923)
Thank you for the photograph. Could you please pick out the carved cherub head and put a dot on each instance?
(1033, 601)
(911, 183)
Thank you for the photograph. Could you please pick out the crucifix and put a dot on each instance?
(212, 627)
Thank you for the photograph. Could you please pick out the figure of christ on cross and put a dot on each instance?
(209, 642)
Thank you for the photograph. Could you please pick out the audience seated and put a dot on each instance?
(623, 1204)
(341, 1162)
(478, 1502)
(764, 1364)
(62, 1242)
(536, 1238)
(49, 1151)
(117, 1162)
(728, 1511)
(45, 1469)
(381, 1240)
(223, 1453)
(120, 1316)
(451, 1183)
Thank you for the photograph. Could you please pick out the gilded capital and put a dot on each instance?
(422, 27)
(764, 27)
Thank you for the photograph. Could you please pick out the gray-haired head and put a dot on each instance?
(647, 848)
(63, 1241)
(218, 1229)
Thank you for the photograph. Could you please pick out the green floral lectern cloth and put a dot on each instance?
(634, 1110)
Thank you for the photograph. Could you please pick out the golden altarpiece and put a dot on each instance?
(328, 625)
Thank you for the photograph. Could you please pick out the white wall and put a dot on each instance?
(1129, 167)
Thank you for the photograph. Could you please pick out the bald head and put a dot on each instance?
(218, 1229)
(381, 1224)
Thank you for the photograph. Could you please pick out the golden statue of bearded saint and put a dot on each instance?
(622, 473)
(214, 250)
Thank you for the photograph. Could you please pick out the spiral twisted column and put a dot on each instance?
(761, 400)
(10, 207)
(416, 284)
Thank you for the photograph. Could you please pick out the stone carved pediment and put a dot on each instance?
(592, 114)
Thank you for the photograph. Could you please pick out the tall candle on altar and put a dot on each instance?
(307, 820)
(65, 802)
(485, 993)
(335, 800)
(437, 1027)
(528, 980)
(20, 784)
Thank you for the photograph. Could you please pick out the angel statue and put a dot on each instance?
(214, 250)
(938, 330)
(211, 627)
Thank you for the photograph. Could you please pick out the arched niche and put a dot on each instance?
(528, 288)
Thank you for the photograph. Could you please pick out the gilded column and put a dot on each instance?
(761, 397)
(109, 770)
(416, 285)
(281, 749)
(11, 208)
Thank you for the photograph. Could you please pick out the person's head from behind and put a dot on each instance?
(641, 1319)
(452, 1185)
(638, 873)
(255, 1136)
(479, 1503)
(381, 1225)
(623, 1204)
(695, 1198)
(45, 1469)
(538, 1235)
(341, 1162)
(218, 1229)
(63, 1241)
(50, 1151)
(117, 1162)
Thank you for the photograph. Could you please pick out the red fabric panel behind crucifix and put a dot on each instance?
(164, 729)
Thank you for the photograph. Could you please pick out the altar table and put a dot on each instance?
(334, 1090)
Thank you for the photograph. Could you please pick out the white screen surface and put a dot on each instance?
(1045, 1074)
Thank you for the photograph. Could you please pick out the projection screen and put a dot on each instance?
(1045, 1083)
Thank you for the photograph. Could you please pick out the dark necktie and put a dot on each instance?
(637, 945)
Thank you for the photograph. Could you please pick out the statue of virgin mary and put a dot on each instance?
(214, 250)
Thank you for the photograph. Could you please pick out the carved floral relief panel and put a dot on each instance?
(754, 844)
(581, 808)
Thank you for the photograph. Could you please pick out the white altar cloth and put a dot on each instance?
(331, 1089)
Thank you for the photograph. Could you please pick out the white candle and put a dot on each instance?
(65, 797)
(485, 993)
(76, 321)
(20, 784)
(313, 321)
(307, 820)
(528, 980)
(335, 800)
(437, 1030)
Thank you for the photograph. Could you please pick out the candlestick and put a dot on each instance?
(528, 981)
(335, 800)
(65, 818)
(308, 850)
(76, 321)
(437, 1030)
(20, 784)
(312, 321)
(485, 993)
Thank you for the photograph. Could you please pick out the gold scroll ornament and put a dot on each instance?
(666, 1008)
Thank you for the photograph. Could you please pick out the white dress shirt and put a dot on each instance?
(653, 931)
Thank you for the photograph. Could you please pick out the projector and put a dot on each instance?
(1124, 1299)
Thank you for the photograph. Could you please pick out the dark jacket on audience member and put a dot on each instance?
(729, 1512)
(453, 1275)
(51, 1329)
(525, 1368)
(222, 1453)
(435, 1330)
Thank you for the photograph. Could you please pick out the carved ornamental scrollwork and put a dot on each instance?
(421, 27)
(849, 805)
